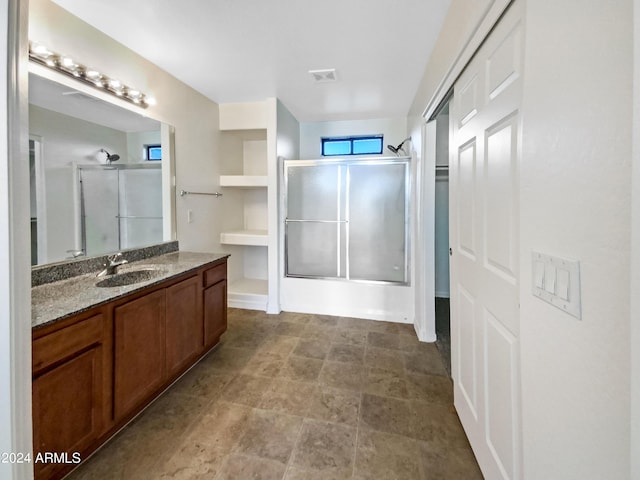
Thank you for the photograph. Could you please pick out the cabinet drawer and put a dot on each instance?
(66, 342)
(215, 274)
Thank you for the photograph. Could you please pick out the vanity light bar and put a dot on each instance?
(64, 64)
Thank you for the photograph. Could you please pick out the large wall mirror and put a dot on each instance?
(100, 175)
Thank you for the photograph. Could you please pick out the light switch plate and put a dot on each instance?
(560, 284)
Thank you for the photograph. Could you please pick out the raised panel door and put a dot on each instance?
(139, 369)
(67, 408)
(215, 312)
(484, 213)
(184, 324)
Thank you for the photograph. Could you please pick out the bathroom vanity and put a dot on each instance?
(101, 354)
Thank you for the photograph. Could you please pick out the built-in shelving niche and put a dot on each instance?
(244, 182)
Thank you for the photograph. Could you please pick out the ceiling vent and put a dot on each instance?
(324, 76)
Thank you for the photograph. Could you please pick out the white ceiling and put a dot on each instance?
(59, 98)
(248, 50)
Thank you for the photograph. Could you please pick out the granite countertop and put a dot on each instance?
(61, 299)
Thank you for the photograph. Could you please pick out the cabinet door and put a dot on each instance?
(215, 312)
(184, 324)
(139, 351)
(67, 408)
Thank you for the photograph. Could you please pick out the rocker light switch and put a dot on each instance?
(550, 278)
(563, 284)
(557, 281)
(538, 274)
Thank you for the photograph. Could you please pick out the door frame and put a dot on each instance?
(425, 323)
(15, 252)
(424, 220)
(41, 197)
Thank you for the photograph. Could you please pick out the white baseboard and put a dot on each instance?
(247, 304)
(378, 315)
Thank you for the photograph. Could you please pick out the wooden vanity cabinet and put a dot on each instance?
(139, 351)
(95, 371)
(183, 324)
(214, 304)
(215, 312)
(71, 385)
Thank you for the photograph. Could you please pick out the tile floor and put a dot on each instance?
(300, 397)
(443, 331)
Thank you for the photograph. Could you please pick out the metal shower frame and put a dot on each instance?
(348, 161)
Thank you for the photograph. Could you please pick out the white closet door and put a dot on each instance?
(484, 228)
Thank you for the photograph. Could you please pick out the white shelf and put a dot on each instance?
(248, 293)
(245, 237)
(245, 181)
(249, 286)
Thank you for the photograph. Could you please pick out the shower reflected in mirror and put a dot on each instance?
(78, 189)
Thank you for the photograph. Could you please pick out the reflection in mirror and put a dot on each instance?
(96, 175)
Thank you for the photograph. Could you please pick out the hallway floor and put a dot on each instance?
(303, 397)
(443, 331)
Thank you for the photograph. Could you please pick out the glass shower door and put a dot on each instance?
(140, 199)
(314, 219)
(378, 224)
(347, 219)
(99, 204)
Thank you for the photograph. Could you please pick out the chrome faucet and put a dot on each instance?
(113, 262)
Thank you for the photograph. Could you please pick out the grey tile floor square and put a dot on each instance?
(295, 396)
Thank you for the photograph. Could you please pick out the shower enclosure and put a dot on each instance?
(347, 219)
(120, 206)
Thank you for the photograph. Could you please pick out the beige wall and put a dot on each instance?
(575, 202)
(194, 117)
(311, 133)
(635, 255)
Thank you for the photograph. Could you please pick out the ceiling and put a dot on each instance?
(62, 99)
(248, 50)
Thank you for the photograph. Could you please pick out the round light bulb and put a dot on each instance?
(40, 50)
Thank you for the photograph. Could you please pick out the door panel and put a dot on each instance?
(468, 101)
(503, 65)
(467, 375)
(484, 213)
(501, 363)
(215, 312)
(183, 324)
(500, 214)
(139, 367)
(466, 212)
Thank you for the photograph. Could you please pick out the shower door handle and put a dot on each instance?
(288, 220)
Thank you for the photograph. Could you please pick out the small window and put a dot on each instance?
(153, 152)
(362, 145)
